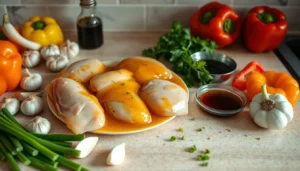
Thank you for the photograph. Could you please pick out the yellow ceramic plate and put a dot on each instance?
(115, 127)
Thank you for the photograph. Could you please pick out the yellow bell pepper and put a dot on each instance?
(42, 30)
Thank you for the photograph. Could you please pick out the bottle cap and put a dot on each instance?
(88, 3)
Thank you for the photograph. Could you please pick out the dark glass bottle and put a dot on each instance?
(89, 26)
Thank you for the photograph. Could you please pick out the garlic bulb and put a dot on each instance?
(31, 58)
(38, 125)
(31, 81)
(50, 50)
(70, 48)
(32, 105)
(57, 63)
(11, 104)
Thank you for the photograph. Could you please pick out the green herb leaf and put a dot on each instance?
(180, 129)
(177, 46)
(192, 149)
(173, 138)
(202, 157)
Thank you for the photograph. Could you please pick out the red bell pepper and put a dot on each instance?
(264, 29)
(239, 81)
(217, 22)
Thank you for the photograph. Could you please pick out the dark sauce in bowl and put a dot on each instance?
(217, 67)
(221, 100)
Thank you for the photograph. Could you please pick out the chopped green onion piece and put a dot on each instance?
(182, 138)
(199, 130)
(11, 161)
(173, 138)
(16, 143)
(205, 164)
(192, 149)
(192, 119)
(46, 160)
(7, 144)
(41, 165)
(68, 163)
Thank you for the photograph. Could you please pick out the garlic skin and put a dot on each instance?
(38, 125)
(70, 49)
(31, 58)
(57, 63)
(50, 50)
(11, 104)
(32, 105)
(117, 155)
(31, 81)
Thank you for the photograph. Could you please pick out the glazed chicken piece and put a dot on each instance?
(145, 69)
(117, 92)
(74, 105)
(82, 71)
(104, 80)
(165, 98)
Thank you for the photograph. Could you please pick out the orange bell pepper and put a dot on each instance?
(3, 37)
(10, 66)
(277, 82)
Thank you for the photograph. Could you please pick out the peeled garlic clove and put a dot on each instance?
(57, 63)
(50, 50)
(70, 48)
(31, 58)
(86, 146)
(11, 104)
(32, 105)
(38, 125)
(31, 81)
(117, 155)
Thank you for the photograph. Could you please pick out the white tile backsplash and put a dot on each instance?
(136, 15)
(161, 17)
(19, 14)
(147, 1)
(202, 2)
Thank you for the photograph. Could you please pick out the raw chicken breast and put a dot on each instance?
(74, 105)
(165, 98)
(145, 69)
(82, 71)
(104, 80)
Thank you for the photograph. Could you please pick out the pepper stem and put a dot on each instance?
(229, 26)
(207, 16)
(266, 17)
(267, 104)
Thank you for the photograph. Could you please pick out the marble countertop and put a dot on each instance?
(236, 143)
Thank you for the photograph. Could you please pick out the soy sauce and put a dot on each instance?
(217, 67)
(90, 32)
(221, 100)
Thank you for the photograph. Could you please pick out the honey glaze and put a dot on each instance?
(221, 100)
(113, 125)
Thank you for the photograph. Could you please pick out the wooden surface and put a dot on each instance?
(236, 143)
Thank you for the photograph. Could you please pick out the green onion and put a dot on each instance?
(41, 165)
(10, 117)
(46, 160)
(173, 138)
(68, 163)
(16, 143)
(23, 158)
(2, 156)
(84, 169)
(182, 138)
(7, 144)
(65, 144)
(61, 137)
(30, 150)
(17, 132)
(206, 151)
(192, 149)
(11, 161)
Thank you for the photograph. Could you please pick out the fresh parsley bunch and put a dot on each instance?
(177, 46)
